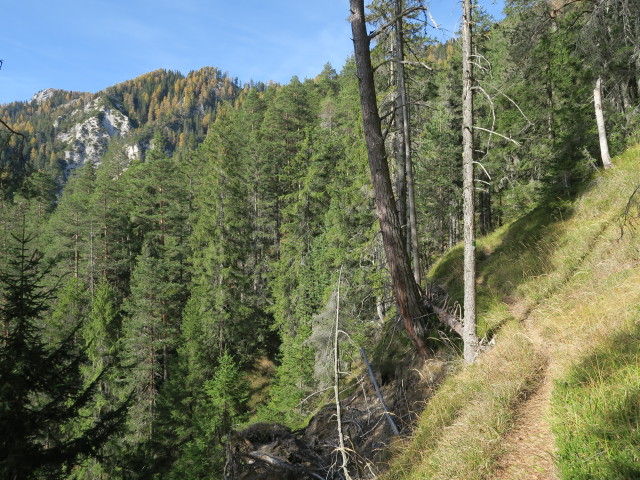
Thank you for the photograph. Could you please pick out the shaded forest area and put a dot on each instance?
(145, 300)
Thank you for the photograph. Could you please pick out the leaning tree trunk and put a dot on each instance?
(469, 336)
(407, 293)
(602, 132)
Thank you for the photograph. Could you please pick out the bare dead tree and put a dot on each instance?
(469, 335)
(602, 132)
(336, 385)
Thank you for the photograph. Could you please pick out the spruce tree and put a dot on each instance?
(72, 226)
(150, 333)
(112, 247)
(41, 386)
(281, 133)
(223, 405)
(225, 286)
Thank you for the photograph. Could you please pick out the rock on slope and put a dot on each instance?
(87, 132)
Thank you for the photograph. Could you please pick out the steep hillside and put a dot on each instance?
(557, 397)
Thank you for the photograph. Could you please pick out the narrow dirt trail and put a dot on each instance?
(530, 446)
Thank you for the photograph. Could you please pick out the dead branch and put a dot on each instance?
(11, 133)
(390, 421)
(393, 20)
(448, 315)
(435, 24)
(513, 102)
(312, 395)
(450, 320)
(279, 464)
(493, 109)
(484, 169)
(417, 59)
(496, 133)
(555, 12)
(628, 220)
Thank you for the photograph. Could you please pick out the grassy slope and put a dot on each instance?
(566, 271)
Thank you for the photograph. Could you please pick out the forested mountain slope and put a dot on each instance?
(182, 257)
(68, 129)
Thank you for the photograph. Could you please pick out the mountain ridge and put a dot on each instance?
(68, 128)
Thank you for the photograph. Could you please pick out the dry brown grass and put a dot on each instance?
(467, 417)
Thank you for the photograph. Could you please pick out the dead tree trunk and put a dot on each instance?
(336, 385)
(602, 132)
(413, 310)
(401, 168)
(469, 336)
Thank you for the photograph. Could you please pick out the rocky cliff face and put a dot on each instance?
(43, 95)
(86, 132)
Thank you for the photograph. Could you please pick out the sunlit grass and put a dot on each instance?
(597, 411)
(571, 273)
(469, 413)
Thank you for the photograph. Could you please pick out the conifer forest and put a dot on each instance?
(202, 278)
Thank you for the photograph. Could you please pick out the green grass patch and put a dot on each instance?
(597, 413)
(508, 259)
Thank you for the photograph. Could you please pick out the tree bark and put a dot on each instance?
(413, 310)
(469, 336)
(602, 132)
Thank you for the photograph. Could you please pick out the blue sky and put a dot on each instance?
(92, 44)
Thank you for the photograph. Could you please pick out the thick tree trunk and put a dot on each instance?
(413, 310)
(602, 132)
(469, 336)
